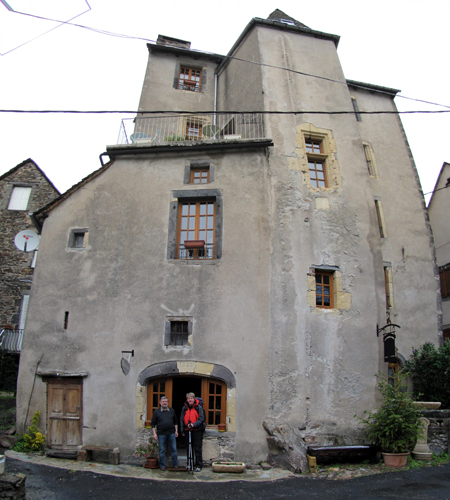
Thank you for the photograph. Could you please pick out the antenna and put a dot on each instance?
(26, 241)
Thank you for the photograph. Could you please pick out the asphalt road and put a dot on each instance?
(49, 483)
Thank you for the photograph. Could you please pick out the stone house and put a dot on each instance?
(249, 246)
(437, 210)
(23, 190)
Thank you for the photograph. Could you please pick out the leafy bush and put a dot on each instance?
(395, 424)
(34, 440)
(430, 369)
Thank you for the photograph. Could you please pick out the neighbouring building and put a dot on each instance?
(226, 248)
(23, 189)
(438, 210)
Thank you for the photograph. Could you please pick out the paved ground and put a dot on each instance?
(99, 482)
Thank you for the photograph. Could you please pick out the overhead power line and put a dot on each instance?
(131, 37)
(179, 112)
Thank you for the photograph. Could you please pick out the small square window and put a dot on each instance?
(190, 79)
(200, 175)
(78, 239)
(324, 289)
(19, 198)
(178, 332)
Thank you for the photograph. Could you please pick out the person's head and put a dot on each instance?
(190, 398)
(164, 402)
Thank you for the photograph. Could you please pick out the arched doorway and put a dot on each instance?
(215, 384)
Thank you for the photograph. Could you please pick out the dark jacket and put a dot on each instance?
(164, 421)
(194, 414)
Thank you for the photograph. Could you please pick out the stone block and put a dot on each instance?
(186, 366)
(210, 449)
(322, 204)
(204, 368)
(343, 301)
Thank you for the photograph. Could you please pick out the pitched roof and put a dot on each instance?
(279, 15)
(25, 162)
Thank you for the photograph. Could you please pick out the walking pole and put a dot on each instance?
(190, 456)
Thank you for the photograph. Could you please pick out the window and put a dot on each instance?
(388, 285)
(444, 278)
(370, 159)
(214, 395)
(19, 198)
(194, 128)
(287, 21)
(179, 332)
(380, 218)
(393, 374)
(316, 166)
(195, 225)
(189, 79)
(155, 391)
(446, 335)
(78, 239)
(196, 230)
(324, 289)
(200, 175)
(356, 109)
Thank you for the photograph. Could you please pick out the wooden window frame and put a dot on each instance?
(330, 285)
(200, 174)
(444, 279)
(190, 84)
(222, 412)
(165, 390)
(393, 373)
(316, 155)
(208, 251)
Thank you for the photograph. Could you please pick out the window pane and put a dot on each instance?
(218, 403)
(202, 222)
(192, 223)
(319, 289)
(320, 175)
(155, 400)
(191, 235)
(217, 420)
(211, 388)
(318, 278)
(185, 209)
(162, 386)
(210, 418)
(321, 184)
(211, 402)
(210, 208)
(218, 389)
(318, 300)
(210, 222)
(184, 223)
(155, 387)
(192, 209)
(326, 290)
(202, 208)
(326, 301)
(314, 183)
(210, 237)
(326, 279)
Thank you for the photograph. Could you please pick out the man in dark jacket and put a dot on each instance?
(165, 421)
(191, 422)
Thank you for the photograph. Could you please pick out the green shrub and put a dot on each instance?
(34, 440)
(430, 369)
(395, 424)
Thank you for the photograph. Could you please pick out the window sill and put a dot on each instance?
(194, 262)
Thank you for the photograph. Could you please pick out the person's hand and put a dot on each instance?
(176, 434)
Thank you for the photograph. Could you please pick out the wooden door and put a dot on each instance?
(64, 412)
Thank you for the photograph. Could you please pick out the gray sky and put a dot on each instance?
(401, 44)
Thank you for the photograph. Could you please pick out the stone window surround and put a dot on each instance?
(197, 164)
(371, 161)
(381, 221)
(333, 175)
(191, 66)
(341, 300)
(389, 285)
(167, 331)
(71, 242)
(192, 194)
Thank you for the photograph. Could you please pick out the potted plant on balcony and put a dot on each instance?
(394, 426)
(149, 452)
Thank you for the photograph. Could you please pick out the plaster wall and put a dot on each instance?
(159, 81)
(438, 210)
(120, 290)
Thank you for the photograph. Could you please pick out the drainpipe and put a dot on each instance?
(215, 97)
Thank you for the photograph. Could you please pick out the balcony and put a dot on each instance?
(168, 129)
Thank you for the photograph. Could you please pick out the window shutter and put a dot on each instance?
(167, 333)
(19, 198)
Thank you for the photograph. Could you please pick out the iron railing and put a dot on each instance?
(207, 252)
(11, 340)
(155, 130)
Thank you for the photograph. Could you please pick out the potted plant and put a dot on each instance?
(394, 426)
(149, 452)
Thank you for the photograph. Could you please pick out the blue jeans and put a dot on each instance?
(172, 442)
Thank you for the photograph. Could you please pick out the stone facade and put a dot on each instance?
(438, 430)
(290, 371)
(16, 273)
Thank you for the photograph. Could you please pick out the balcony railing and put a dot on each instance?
(11, 340)
(207, 252)
(155, 130)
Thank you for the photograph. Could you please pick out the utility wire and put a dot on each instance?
(179, 112)
(130, 37)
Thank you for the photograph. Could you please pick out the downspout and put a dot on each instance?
(215, 97)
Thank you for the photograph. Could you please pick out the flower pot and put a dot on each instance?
(194, 244)
(152, 463)
(395, 459)
(222, 427)
(148, 424)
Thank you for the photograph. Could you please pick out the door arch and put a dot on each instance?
(214, 383)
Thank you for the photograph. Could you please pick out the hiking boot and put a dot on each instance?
(198, 469)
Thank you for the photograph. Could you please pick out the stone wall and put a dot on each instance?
(16, 272)
(12, 486)
(438, 430)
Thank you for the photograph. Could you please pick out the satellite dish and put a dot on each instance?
(26, 241)
(211, 131)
